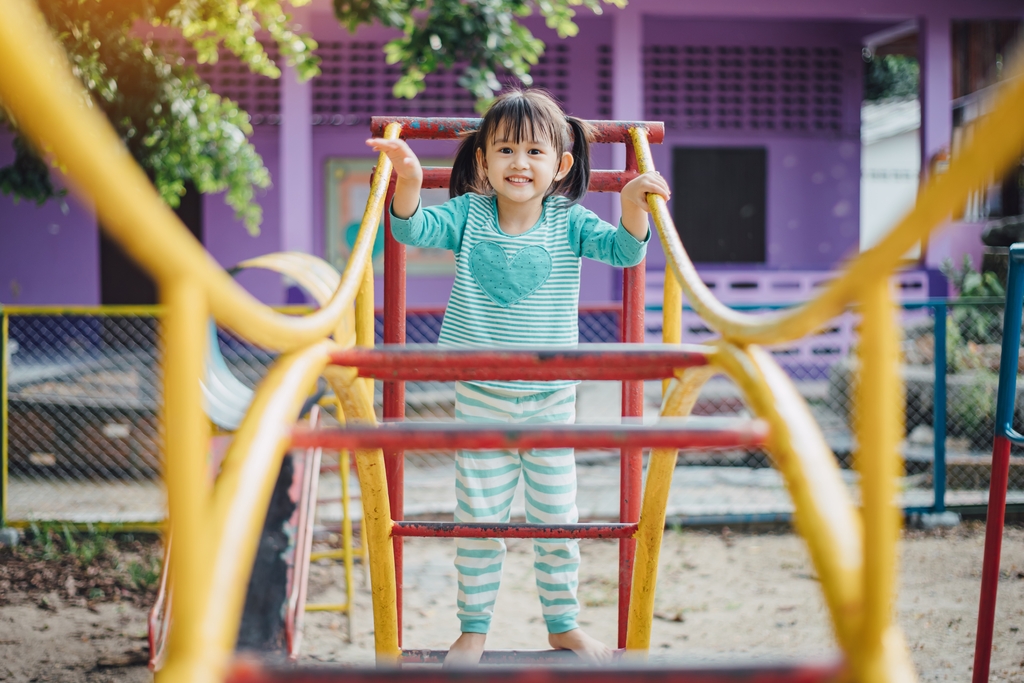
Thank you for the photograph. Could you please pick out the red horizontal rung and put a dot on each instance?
(517, 530)
(595, 362)
(250, 671)
(449, 128)
(562, 657)
(734, 433)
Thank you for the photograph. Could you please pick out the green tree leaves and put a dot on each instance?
(179, 130)
(485, 35)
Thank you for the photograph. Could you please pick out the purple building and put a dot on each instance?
(761, 102)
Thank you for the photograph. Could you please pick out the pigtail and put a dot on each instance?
(465, 175)
(574, 186)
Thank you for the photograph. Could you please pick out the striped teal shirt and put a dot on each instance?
(516, 290)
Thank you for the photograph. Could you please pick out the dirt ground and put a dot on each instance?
(721, 597)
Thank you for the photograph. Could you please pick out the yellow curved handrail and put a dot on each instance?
(854, 556)
(996, 144)
(54, 110)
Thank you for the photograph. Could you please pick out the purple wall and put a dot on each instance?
(812, 212)
(813, 179)
(46, 256)
(226, 237)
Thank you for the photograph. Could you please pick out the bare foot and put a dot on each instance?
(590, 650)
(466, 651)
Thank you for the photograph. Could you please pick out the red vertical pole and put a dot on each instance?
(394, 392)
(631, 465)
(990, 569)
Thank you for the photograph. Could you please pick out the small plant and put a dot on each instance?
(144, 575)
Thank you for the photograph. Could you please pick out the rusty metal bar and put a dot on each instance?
(394, 391)
(730, 433)
(595, 362)
(450, 128)
(506, 530)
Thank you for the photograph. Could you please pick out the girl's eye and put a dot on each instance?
(505, 150)
(536, 151)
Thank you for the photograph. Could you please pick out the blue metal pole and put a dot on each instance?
(1004, 436)
(939, 411)
(1007, 392)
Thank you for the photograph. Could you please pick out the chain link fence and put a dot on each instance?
(82, 433)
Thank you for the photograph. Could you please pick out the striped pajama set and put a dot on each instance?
(516, 290)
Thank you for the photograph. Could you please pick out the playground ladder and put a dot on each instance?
(630, 363)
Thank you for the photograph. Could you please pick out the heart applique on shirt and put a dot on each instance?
(506, 281)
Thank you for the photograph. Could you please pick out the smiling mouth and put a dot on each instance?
(518, 180)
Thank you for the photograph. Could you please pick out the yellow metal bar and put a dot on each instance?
(333, 554)
(339, 607)
(357, 406)
(651, 529)
(344, 467)
(103, 527)
(824, 513)
(5, 368)
(671, 316)
(96, 311)
(364, 310)
(186, 474)
(879, 408)
(242, 495)
(52, 109)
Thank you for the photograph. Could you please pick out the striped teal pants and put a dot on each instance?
(484, 484)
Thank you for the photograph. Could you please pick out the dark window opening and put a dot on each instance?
(719, 202)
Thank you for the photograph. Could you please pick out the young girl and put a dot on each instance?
(518, 233)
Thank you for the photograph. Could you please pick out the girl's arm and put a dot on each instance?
(409, 172)
(592, 238)
(634, 201)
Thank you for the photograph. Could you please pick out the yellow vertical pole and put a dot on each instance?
(186, 434)
(364, 316)
(344, 465)
(671, 315)
(880, 408)
(651, 528)
(357, 404)
(5, 368)
(364, 309)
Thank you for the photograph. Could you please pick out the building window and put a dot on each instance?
(719, 202)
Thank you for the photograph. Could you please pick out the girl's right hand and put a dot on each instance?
(407, 166)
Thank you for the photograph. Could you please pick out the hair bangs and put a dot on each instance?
(520, 119)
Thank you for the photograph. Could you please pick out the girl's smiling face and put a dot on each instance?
(522, 171)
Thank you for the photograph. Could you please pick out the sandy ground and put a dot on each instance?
(721, 597)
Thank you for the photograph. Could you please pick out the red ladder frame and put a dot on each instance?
(631, 326)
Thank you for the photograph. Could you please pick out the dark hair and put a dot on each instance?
(526, 114)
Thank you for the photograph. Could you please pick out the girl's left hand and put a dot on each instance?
(637, 189)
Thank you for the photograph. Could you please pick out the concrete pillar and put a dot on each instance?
(627, 79)
(295, 178)
(936, 59)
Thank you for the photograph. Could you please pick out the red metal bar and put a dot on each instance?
(394, 391)
(501, 657)
(600, 180)
(735, 433)
(449, 128)
(631, 463)
(597, 361)
(506, 530)
(249, 671)
(990, 568)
